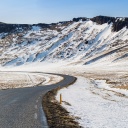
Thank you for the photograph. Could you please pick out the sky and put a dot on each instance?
(51, 11)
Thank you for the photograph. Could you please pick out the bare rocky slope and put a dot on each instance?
(82, 40)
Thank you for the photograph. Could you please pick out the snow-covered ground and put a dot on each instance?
(22, 79)
(95, 105)
(113, 73)
(16, 80)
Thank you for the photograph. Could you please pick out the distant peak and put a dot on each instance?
(80, 18)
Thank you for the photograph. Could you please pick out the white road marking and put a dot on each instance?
(35, 106)
(35, 116)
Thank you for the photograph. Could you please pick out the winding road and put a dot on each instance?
(22, 107)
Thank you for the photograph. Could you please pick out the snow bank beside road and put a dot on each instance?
(95, 107)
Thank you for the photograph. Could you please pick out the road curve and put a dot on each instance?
(22, 107)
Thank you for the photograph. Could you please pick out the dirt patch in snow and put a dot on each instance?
(122, 87)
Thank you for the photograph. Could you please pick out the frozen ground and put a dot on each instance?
(94, 106)
(19, 79)
(116, 75)
(94, 103)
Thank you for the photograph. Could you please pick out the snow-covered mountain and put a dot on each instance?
(81, 41)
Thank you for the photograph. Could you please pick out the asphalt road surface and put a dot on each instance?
(22, 107)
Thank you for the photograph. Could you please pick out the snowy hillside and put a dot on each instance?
(80, 41)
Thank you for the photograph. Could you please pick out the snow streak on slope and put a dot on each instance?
(84, 42)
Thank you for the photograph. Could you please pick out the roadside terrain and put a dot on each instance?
(101, 88)
(94, 104)
(10, 80)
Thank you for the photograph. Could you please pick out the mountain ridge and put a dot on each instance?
(118, 23)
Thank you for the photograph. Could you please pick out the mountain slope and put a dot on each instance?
(80, 41)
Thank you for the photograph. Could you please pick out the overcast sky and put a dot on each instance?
(49, 11)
